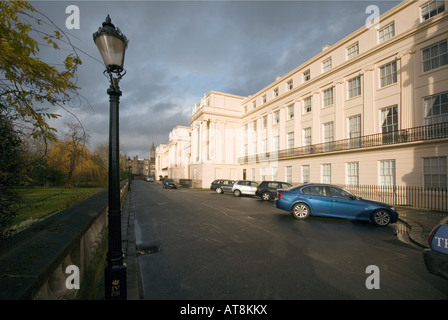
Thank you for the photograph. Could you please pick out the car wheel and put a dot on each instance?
(300, 211)
(381, 217)
(237, 193)
(218, 190)
(266, 196)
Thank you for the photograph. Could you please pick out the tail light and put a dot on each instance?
(279, 195)
(258, 189)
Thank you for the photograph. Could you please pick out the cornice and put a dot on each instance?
(352, 36)
(374, 50)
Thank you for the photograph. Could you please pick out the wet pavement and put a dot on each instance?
(414, 227)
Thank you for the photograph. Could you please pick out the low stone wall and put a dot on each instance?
(33, 263)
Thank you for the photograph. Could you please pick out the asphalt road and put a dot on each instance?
(199, 245)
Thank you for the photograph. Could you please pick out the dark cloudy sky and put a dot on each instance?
(180, 50)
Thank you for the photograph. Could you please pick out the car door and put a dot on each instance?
(317, 199)
(241, 185)
(345, 205)
(227, 185)
(249, 187)
(273, 186)
(252, 187)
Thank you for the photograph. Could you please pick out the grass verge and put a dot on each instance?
(41, 202)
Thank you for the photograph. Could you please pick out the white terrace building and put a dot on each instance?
(172, 159)
(372, 109)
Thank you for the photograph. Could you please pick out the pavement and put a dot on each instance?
(414, 227)
(417, 224)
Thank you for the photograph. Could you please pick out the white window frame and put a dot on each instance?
(274, 173)
(327, 96)
(352, 173)
(353, 51)
(306, 75)
(264, 145)
(276, 119)
(354, 126)
(354, 87)
(387, 173)
(307, 137)
(307, 105)
(290, 110)
(434, 107)
(262, 174)
(389, 119)
(431, 9)
(254, 147)
(388, 74)
(355, 130)
(386, 33)
(326, 64)
(435, 172)
(264, 122)
(306, 173)
(328, 132)
(438, 61)
(288, 174)
(275, 143)
(326, 173)
(290, 140)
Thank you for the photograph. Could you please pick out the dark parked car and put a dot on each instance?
(332, 201)
(169, 184)
(221, 185)
(436, 257)
(267, 190)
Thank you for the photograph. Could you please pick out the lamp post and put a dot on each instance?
(112, 45)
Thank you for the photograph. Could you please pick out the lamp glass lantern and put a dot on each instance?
(112, 45)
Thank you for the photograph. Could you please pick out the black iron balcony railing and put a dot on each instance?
(429, 132)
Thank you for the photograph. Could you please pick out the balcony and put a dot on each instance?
(423, 133)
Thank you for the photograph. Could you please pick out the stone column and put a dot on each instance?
(407, 110)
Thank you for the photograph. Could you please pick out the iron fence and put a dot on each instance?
(413, 196)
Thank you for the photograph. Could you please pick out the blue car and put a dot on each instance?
(333, 201)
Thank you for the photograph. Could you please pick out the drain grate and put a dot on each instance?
(142, 250)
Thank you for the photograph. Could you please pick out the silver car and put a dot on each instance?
(244, 187)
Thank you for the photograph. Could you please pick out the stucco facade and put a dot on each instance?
(371, 109)
(172, 159)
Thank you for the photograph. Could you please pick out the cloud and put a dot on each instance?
(180, 50)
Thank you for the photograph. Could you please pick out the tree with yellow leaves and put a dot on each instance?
(74, 160)
(30, 87)
(30, 90)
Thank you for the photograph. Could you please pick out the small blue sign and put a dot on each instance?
(439, 240)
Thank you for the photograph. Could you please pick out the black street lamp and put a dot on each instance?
(112, 45)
